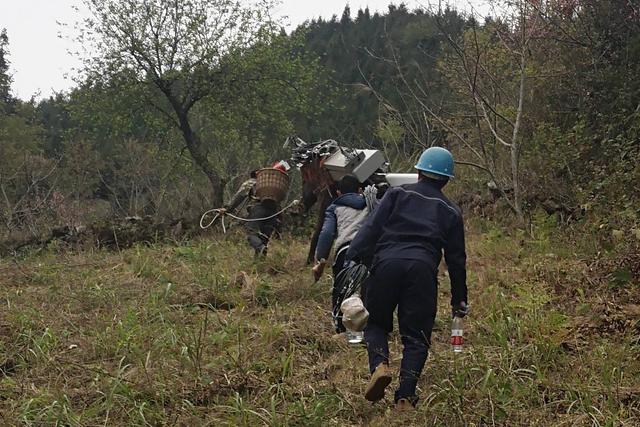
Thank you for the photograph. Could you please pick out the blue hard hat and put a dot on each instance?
(436, 160)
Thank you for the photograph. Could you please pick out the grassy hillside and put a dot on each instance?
(198, 334)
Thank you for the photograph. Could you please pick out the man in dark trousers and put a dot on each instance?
(404, 238)
(342, 220)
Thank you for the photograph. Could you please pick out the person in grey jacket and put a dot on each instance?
(341, 223)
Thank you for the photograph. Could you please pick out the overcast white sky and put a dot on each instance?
(41, 64)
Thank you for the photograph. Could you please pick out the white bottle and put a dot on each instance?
(456, 334)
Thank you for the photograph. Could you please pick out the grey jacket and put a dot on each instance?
(342, 221)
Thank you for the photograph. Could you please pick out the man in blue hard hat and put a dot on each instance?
(402, 242)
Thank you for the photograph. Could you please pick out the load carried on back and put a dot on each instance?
(273, 183)
(324, 163)
(369, 166)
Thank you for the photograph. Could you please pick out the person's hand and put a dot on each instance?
(460, 310)
(318, 269)
(222, 211)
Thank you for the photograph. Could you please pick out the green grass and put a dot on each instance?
(200, 334)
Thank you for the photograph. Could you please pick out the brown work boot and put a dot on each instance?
(404, 405)
(380, 379)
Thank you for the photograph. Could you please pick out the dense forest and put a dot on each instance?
(540, 103)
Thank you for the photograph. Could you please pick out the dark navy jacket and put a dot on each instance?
(342, 220)
(416, 221)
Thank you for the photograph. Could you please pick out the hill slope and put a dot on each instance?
(198, 334)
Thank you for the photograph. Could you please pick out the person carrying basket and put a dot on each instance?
(261, 195)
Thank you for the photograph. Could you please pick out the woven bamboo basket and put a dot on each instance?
(271, 184)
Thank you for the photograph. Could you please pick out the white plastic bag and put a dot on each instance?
(354, 314)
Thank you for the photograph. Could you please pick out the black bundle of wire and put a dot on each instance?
(349, 281)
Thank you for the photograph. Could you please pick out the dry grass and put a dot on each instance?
(199, 334)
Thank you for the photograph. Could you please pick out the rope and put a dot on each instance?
(349, 281)
(224, 227)
(371, 197)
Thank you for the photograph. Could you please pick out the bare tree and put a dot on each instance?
(178, 47)
(515, 32)
(26, 191)
(488, 69)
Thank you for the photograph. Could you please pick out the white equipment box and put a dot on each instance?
(360, 163)
(397, 179)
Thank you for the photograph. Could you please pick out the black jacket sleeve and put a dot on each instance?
(456, 259)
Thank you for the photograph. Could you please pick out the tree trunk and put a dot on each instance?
(515, 169)
(193, 143)
(199, 156)
(515, 140)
